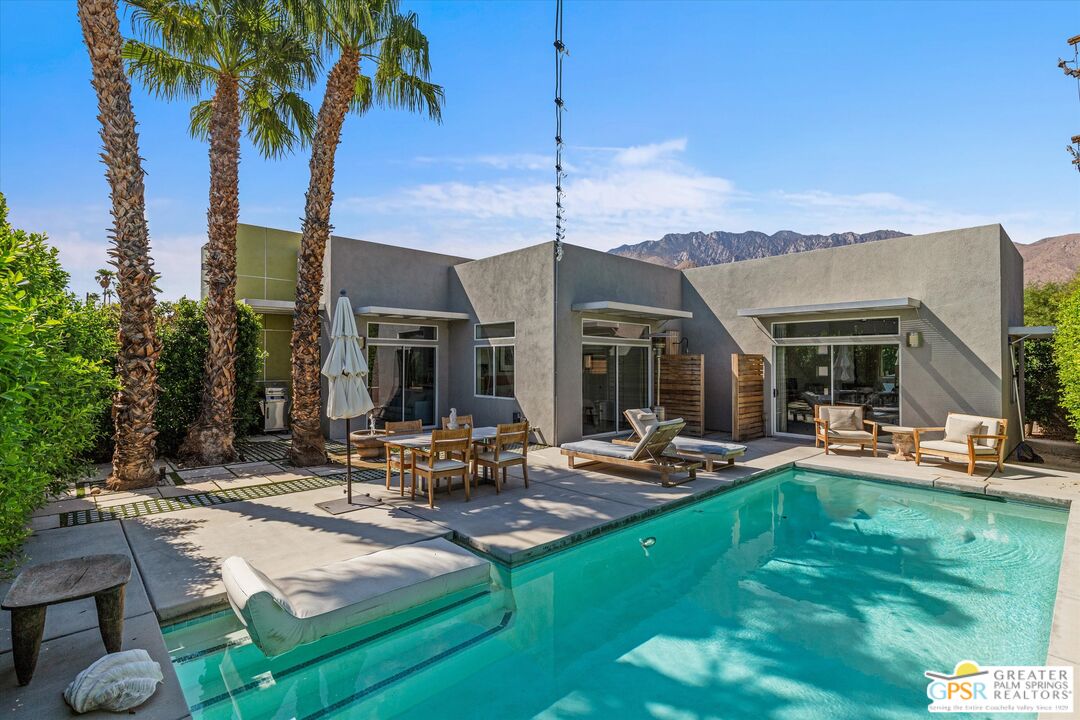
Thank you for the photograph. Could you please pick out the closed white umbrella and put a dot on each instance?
(345, 370)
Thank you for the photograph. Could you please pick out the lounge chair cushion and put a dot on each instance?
(707, 447)
(505, 456)
(954, 447)
(856, 435)
(986, 426)
(641, 419)
(600, 447)
(441, 466)
(304, 607)
(842, 418)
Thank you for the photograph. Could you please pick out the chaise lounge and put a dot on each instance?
(696, 449)
(649, 453)
(310, 605)
(968, 438)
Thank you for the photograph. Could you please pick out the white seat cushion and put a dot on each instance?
(600, 447)
(860, 435)
(954, 447)
(304, 607)
(441, 466)
(505, 456)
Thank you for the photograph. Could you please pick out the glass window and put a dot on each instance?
(389, 331)
(615, 330)
(495, 371)
(487, 331)
(837, 328)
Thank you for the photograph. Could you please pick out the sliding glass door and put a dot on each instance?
(613, 379)
(401, 381)
(866, 374)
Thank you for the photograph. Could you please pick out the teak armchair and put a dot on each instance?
(448, 457)
(843, 425)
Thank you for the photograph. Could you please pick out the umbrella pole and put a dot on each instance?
(348, 458)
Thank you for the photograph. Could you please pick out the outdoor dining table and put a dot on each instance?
(422, 441)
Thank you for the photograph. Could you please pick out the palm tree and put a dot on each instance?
(371, 32)
(105, 278)
(136, 364)
(253, 66)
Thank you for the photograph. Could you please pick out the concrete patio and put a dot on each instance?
(178, 553)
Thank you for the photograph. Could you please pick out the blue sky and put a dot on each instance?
(812, 117)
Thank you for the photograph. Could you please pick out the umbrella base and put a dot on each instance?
(342, 506)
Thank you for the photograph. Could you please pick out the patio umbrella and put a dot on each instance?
(345, 370)
(845, 366)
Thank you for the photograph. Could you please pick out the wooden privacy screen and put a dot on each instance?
(682, 390)
(747, 396)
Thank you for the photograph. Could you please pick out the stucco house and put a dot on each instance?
(912, 328)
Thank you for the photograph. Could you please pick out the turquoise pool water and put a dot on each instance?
(800, 596)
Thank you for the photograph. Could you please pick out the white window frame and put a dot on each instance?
(507, 340)
(838, 339)
(401, 341)
(476, 359)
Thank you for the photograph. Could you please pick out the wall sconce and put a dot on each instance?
(914, 339)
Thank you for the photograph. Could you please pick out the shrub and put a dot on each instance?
(54, 381)
(1067, 355)
(184, 344)
(1042, 388)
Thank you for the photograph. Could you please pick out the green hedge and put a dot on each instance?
(1042, 386)
(55, 380)
(1067, 355)
(184, 344)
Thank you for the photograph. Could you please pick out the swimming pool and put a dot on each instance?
(801, 595)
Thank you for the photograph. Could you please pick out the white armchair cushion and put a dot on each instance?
(958, 427)
(953, 447)
(987, 426)
(441, 466)
(859, 435)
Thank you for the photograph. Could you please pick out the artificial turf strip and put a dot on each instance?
(155, 506)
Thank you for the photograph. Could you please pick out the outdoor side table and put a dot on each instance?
(903, 440)
(102, 577)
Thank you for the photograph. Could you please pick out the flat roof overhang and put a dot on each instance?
(271, 307)
(1032, 331)
(410, 313)
(882, 304)
(647, 312)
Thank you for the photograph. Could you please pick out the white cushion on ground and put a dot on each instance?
(504, 456)
(600, 447)
(310, 605)
(860, 435)
(441, 465)
(954, 447)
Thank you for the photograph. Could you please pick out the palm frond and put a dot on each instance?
(163, 74)
(395, 88)
(199, 125)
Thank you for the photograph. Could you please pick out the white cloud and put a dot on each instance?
(512, 161)
(648, 154)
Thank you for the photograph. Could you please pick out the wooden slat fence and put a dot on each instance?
(682, 390)
(747, 396)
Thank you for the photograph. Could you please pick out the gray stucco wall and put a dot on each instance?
(958, 276)
(390, 276)
(515, 286)
(586, 276)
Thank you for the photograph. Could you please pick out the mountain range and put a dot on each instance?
(1052, 259)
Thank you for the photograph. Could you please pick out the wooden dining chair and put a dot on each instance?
(450, 455)
(511, 447)
(462, 421)
(400, 460)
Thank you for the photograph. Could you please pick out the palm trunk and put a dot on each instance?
(136, 365)
(210, 439)
(308, 447)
